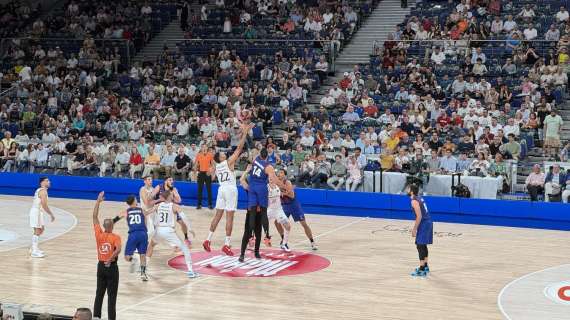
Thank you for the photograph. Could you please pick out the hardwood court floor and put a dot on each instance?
(368, 278)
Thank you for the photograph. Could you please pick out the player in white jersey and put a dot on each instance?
(147, 201)
(165, 223)
(39, 209)
(227, 193)
(275, 212)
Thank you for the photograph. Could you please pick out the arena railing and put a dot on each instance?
(490, 46)
(329, 48)
(71, 45)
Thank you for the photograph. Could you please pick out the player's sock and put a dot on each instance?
(227, 241)
(311, 239)
(186, 236)
(422, 268)
(210, 234)
(35, 241)
(143, 269)
(285, 236)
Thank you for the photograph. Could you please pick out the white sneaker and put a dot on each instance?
(285, 247)
(37, 254)
(192, 274)
(132, 266)
(314, 246)
(144, 277)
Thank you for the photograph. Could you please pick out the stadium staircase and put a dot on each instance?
(384, 18)
(387, 15)
(169, 37)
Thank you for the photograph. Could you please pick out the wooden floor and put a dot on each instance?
(368, 278)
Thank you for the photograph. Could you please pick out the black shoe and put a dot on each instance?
(199, 207)
(241, 258)
(257, 255)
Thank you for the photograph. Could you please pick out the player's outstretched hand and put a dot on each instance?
(101, 196)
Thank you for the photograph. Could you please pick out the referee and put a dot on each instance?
(108, 249)
(203, 164)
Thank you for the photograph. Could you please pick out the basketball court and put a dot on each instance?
(361, 271)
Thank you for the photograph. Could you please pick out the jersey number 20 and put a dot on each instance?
(135, 219)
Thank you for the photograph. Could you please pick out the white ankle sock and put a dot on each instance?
(210, 234)
(227, 241)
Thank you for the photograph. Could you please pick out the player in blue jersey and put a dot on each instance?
(138, 237)
(258, 196)
(422, 231)
(292, 208)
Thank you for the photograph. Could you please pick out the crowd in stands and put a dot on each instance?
(440, 96)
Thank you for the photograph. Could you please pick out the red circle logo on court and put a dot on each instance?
(559, 292)
(273, 263)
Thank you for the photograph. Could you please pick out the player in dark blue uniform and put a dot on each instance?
(138, 237)
(422, 231)
(292, 208)
(259, 176)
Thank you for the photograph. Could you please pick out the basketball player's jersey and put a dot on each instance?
(161, 190)
(274, 197)
(37, 202)
(148, 192)
(423, 208)
(226, 177)
(135, 220)
(165, 215)
(257, 174)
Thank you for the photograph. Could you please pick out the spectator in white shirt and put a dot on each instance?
(307, 140)
(527, 12)
(437, 56)
(511, 127)
(530, 32)
(335, 91)
(510, 24)
(553, 34)
(497, 25)
(562, 15)
(327, 100)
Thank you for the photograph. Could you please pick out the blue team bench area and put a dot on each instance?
(358, 204)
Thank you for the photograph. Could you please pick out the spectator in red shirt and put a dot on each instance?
(456, 120)
(135, 163)
(345, 82)
(371, 110)
(444, 120)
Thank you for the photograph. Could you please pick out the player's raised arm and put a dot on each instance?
(235, 156)
(100, 199)
(243, 178)
(44, 204)
(176, 196)
(289, 189)
(270, 171)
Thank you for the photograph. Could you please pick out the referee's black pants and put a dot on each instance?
(107, 280)
(204, 178)
(253, 224)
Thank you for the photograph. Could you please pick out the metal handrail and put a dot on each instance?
(461, 43)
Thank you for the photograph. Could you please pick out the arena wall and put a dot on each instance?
(359, 204)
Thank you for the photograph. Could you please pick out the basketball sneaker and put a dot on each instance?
(37, 254)
(426, 269)
(192, 274)
(227, 250)
(285, 247)
(418, 273)
(144, 277)
(267, 241)
(314, 246)
(206, 245)
(257, 255)
(241, 258)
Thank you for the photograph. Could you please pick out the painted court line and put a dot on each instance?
(517, 280)
(204, 278)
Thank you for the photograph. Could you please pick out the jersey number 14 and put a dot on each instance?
(257, 171)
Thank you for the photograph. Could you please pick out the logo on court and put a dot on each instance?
(559, 292)
(273, 263)
(408, 230)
